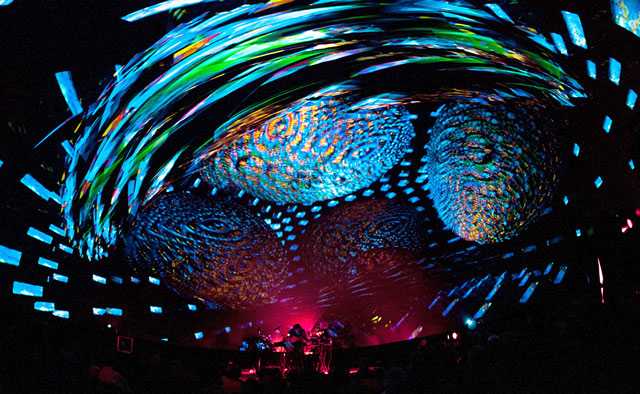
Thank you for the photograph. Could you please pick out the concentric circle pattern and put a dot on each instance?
(317, 150)
(215, 250)
(330, 246)
(492, 169)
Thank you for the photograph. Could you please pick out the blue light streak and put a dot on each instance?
(591, 69)
(44, 306)
(452, 291)
(558, 41)
(527, 293)
(468, 293)
(27, 289)
(69, 91)
(29, 181)
(114, 311)
(52, 132)
(55, 229)
(449, 307)
(10, 256)
(632, 98)
(60, 278)
(560, 275)
(39, 235)
(606, 124)
(493, 291)
(500, 13)
(614, 71)
(65, 248)
(61, 314)
(434, 302)
(574, 27)
(524, 279)
(540, 39)
(481, 312)
(48, 263)
(66, 145)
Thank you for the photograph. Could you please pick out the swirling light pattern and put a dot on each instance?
(492, 169)
(211, 80)
(214, 250)
(318, 149)
(330, 247)
(198, 96)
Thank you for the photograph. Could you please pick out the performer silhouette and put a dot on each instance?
(298, 339)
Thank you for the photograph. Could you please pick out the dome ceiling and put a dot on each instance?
(400, 166)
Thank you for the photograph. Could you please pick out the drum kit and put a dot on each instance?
(296, 353)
